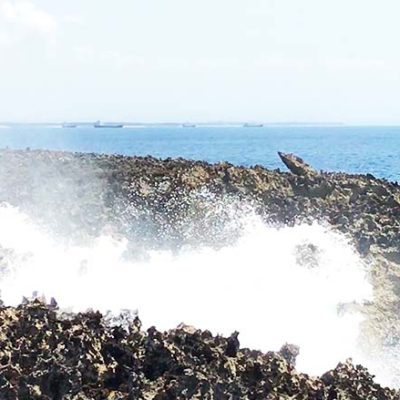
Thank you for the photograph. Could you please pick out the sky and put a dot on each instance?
(200, 60)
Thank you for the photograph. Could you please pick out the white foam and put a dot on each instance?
(261, 285)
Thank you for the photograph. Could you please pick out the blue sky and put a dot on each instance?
(199, 60)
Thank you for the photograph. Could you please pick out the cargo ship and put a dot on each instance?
(250, 125)
(100, 124)
(69, 125)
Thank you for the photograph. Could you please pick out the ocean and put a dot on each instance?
(353, 149)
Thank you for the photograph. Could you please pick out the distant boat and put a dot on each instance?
(250, 125)
(69, 125)
(189, 125)
(99, 124)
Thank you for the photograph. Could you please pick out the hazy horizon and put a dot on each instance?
(199, 124)
(151, 61)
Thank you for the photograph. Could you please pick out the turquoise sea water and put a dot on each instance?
(374, 150)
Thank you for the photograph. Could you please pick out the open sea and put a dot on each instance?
(355, 149)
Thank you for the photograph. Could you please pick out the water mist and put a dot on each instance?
(273, 285)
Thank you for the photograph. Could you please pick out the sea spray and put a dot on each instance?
(273, 285)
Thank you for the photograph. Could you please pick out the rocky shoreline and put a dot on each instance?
(91, 189)
(149, 201)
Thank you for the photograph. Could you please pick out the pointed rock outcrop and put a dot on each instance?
(296, 165)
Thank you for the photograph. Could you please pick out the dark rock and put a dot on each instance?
(296, 165)
(232, 345)
(84, 358)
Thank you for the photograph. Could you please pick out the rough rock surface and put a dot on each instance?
(45, 355)
(75, 193)
(89, 191)
(150, 200)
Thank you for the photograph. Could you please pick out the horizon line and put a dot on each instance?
(202, 123)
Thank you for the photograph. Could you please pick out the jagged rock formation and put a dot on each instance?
(80, 195)
(45, 355)
(88, 191)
